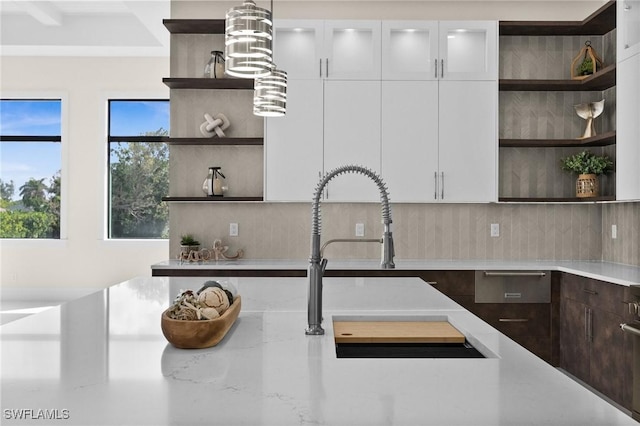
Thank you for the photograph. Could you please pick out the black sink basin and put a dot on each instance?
(407, 350)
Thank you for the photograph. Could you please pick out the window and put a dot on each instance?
(138, 168)
(30, 163)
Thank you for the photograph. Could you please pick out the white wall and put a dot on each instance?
(83, 258)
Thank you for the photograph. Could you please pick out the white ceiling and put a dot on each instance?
(84, 27)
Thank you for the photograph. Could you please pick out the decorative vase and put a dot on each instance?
(587, 186)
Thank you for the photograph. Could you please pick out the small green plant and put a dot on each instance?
(587, 163)
(586, 67)
(188, 240)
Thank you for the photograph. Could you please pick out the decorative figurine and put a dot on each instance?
(589, 111)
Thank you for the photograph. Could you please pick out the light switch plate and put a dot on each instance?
(233, 229)
(614, 231)
(495, 229)
(359, 229)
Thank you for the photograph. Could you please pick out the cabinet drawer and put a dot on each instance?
(517, 319)
(513, 286)
(451, 283)
(600, 294)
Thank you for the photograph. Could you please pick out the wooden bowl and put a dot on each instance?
(202, 333)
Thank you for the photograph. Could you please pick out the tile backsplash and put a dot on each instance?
(421, 231)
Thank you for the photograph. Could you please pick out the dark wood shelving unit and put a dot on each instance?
(194, 26)
(605, 139)
(208, 83)
(216, 141)
(600, 22)
(210, 199)
(601, 80)
(556, 200)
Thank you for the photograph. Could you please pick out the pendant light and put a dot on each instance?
(248, 39)
(270, 94)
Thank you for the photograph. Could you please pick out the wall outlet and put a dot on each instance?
(614, 231)
(495, 229)
(359, 229)
(233, 229)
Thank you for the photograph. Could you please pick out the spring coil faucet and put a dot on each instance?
(317, 263)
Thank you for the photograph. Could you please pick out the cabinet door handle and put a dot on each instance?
(326, 68)
(320, 68)
(590, 291)
(442, 185)
(514, 274)
(514, 320)
(441, 68)
(586, 323)
(435, 183)
(435, 68)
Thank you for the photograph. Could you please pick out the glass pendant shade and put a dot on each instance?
(270, 94)
(248, 41)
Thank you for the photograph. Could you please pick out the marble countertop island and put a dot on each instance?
(102, 360)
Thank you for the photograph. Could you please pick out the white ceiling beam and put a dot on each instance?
(44, 11)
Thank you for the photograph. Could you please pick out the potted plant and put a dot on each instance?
(188, 243)
(588, 166)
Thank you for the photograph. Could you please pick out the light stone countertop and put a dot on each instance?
(102, 360)
(606, 271)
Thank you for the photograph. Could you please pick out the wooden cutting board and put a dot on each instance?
(396, 332)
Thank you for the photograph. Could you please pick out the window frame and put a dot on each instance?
(127, 139)
(63, 97)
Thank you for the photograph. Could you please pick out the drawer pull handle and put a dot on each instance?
(432, 282)
(514, 274)
(514, 320)
(590, 291)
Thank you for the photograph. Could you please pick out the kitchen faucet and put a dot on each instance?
(317, 262)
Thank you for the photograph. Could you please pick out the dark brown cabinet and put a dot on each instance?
(593, 348)
(457, 285)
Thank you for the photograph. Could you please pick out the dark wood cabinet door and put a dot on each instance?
(574, 346)
(609, 368)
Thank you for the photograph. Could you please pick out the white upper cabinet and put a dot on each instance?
(468, 50)
(335, 50)
(628, 129)
(410, 50)
(628, 28)
(445, 50)
(298, 48)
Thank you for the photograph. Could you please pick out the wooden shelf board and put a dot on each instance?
(194, 26)
(556, 200)
(216, 141)
(605, 139)
(600, 22)
(602, 80)
(214, 199)
(208, 83)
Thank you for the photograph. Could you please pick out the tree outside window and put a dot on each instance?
(30, 158)
(138, 168)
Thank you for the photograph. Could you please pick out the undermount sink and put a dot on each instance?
(400, 337)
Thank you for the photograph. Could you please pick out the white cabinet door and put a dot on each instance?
(468, 50)
(298, 48)
(352, 50)
(628, 28)
(628, 129)
(409, 50)
(468, 141)
(410, 139)
(352, 136)
(293, 144)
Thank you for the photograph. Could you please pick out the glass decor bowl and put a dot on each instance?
(199, 334)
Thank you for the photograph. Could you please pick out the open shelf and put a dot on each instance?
(194, 26)
(600, 22)
(208, 83)
(605, 139)
(214, 199)
(556, 200)
(215, 141)
(601, 80)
